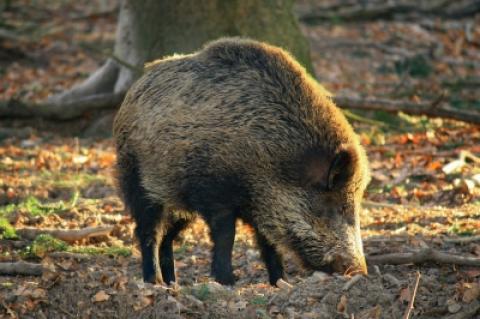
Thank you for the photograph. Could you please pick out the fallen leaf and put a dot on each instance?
(453, 166)
(472, 292)
(142, 302)
(101, 296)
(405, 295)
(372, 313)
(342, 305)
(282, 284)
(473, 273)
(39, 293)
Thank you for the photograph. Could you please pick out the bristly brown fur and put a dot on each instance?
(240, 130)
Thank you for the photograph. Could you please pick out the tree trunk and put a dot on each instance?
(151, 29)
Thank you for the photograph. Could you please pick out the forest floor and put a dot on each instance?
(425, 189)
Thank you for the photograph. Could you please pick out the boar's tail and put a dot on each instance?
(133, 192)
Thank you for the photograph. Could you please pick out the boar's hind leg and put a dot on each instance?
(222, 229)
(146, 213)
(272, 259)
(166, 250)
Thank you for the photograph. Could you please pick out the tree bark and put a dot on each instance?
(151, 29)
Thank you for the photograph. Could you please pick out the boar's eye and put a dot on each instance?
(341, 169)
(326, 173)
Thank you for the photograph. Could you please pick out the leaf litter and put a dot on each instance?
(425, 192)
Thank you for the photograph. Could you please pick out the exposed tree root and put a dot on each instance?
(101, 81)
(21, 268)
(69, 235)
(423, 256)
(60, 110)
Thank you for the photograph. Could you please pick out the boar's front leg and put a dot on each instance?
(272, 259)
(222, 230)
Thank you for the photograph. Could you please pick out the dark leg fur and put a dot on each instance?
(272, 259)
(146, 213)
(166, 250)
(222, 229)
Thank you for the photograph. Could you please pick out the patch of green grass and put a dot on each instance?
(44, 244)
(202, 293)
(7, 284)
(7, 210)
(110, 251)
(415, 66)
(181, 250)
(259, 301)
(73, 181)
(457, 230)
(262, 313)
(36, 208)
(7, 231)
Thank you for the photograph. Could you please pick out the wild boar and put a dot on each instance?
(239, 130)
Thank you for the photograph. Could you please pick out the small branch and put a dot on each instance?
(21, 268)
(423, 256)
(70, 235)
(409, 309)
(421, 108)
(352, 282)
(66, 254)
(463, 240)
(59, 110)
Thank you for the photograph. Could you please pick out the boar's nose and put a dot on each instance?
(345, 265)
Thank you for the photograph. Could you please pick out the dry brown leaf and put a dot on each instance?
(471, 292)
(405, 295)
(473, 273)
(142, 302)
(342, 305)
(282, 284)
(39, 293)
(372, 313)
(101, 296)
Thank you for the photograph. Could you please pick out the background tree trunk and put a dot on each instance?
(150, 29)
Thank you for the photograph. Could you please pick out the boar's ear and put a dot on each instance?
(341, 168)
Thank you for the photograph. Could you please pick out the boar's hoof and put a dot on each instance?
(225, 279)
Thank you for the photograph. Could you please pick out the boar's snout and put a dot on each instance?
(345, 265)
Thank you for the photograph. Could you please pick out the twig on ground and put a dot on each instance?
(392, 280)
(65, 254)
(68, 235)
(423, 256)
(20, 268)
(409, 309)
(352, 282)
